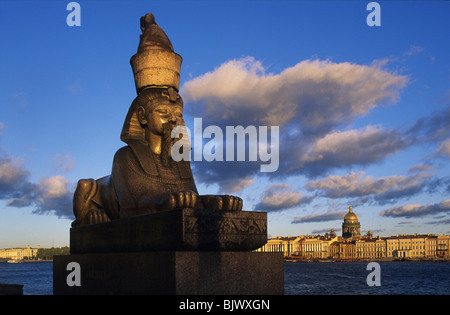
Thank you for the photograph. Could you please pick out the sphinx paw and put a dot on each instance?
(222, 202)
(96, 216)
(182, 199)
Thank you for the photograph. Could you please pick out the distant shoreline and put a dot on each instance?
(323, 260)
(25, 260)
(305, 259)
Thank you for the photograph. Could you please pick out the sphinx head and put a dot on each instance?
(159, 110)
(151, 118)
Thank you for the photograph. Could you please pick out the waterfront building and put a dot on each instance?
(344, 249)
(19, 253)
(317, 246)
(354, 246)
(311, 246)
(370, 247)
(411, 246)
(430, 246)
(361, 247)
(287, 245)
(443, 246)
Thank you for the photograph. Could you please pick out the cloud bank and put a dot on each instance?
(49, 195)
(318, 95)
(281, 197)
(342, 149)
(320, 217)
(443, 151)
(314, 103)
(417, 210)
(309, 102)
(379, 190)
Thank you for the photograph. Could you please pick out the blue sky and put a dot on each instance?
(363, 111)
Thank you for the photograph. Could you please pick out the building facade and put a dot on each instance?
(411, 246)
(287, 245)
(19, 252)
(361, 247)
(370, 247)
(443, 246)
(354, 246)
(316, 246)
(343, 249)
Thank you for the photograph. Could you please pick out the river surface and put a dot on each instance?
(408, 278)
(302, 278)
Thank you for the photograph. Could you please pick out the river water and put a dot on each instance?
(302, 278)
(407, 278)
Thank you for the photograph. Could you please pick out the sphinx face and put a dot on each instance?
(162, 114)
(154, 116)
(159, 118)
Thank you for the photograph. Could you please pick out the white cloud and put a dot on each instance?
(317, 94)
(235, 185)
(51, 194)
(353, 147)
(53, 187)
(414, 50)
(444, 149)
(432, 128)
(309, 102)
(381, 190)
(320, 217)
(369, 141)
(13, 176)
(280, 197)
(417, 210)
(54, 196)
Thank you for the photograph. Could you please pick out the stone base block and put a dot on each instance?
(176, 230)
(11, 289)
(171, 273)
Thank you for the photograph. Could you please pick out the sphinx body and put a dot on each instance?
(139, 184)
(144, 178)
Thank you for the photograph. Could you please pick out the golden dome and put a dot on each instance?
(350, 216)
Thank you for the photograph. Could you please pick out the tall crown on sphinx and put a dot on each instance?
(155, 64)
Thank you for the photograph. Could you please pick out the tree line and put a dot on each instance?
(48, 253)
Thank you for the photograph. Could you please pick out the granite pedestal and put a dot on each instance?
(175, 230)
(11, 289)
(172, 273)
(183, 251)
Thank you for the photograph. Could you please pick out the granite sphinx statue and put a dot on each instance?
(144, 178)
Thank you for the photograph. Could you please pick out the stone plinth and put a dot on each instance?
(183, 251)
(11, 289)
(177, 230)
(173, 272)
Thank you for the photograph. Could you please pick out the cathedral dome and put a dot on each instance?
(351, 226)
(350, 216)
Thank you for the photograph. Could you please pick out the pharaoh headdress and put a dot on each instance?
(155, 65)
